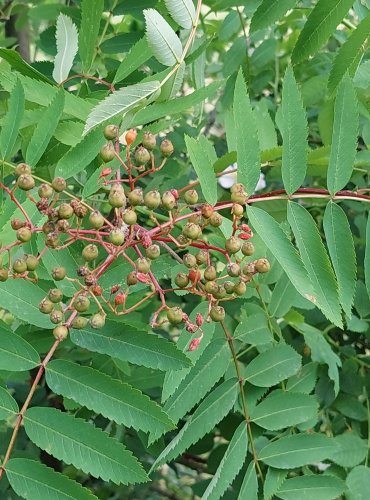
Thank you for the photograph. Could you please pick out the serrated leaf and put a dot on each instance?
(297, 450)
(35, 481)
(162, 40)
(350, 450)
(282, 249)
(91, 15)
(367, 257)
(270, 11)
(141, 348)
(211, 411)
(283, 409)
(81, 444)
(15, 353)
(81, 155)
(316, 262)
(341, 248)
(249, 487)
(120, 102)
(203, 156)
(311, 487)
(8, 405)
(253, 329)
(348, 56)
(12, 120)
(358, 483)
(45, 129)
(272, 366)
(294, 132)
(304, 381)
(230, 465)
(173, 85)
(67, 46)
(182, 11)
(137, 56)
(344, 139)
(247, 144)
(112, 398)
(321, 23)
(273, 480)
(18, 64)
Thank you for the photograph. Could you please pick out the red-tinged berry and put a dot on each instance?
(90, 252)
(58, 273)
(97, 290)
(136, 197)
(217, 313)
(247, 248)
(55, 295)
(24, 234)
(97, 321)
(56, 316)
(58, 184)
(117, 237)
(119, 299)
(19, 266)
(262, 265)
(149, 141)
(131, 278)
(152, 199)
(114, 289)
(215, 220)
(60, 332)
(194, 344)
(141, 155)
(143, 265)
(233, 245)
(199, 320)
(45, 191)
(17, 223)
(107, 152)
(90, 279)
(175, 315)
(26, 182)
(166, 148)
(110, 132)
(182, 280)
(210, 273)
(130, 136)
(96, 219)
(168, 200)
(153, 252)
(79, 322)
(191, 197)
(81, 304)
(194, 275)
(21, 169)
(46, 306)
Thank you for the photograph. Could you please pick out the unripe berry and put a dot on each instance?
(22, 169)
(149, 141)
(233, 269)
(90, 279)
(220, 293)
(119, 299)
(48, 227)
(19, 266)
(79, 210)
(117, 198)
(4, 275)
(62, 225)
(45, 191)
(117, 237)
(96, 219)
(56, 316)
(262, 265)
(183, 241)
(55, 295)
(60, 332)
(249, 269)
(153, 252)
(189, 260)
(175, 315)
(131, 278)
(211, 287)
(130, 136)
(79, 322)
(195, 219)
(237, 188)
(90, 252)
(229, 286)
(46, 306)
(237, 210)
(239, 198)
(194, 275)
(143, 265)
(130, 217)
(58, 184)
(192, 231)
(152, 199)
(217, 313)
(52, 240)
(182, 280)
(97, 321)
(82, 271)
(24, 234)
(52, 214)
(166, 148)
(215, 220)
(31, 262)
(168, 200)
(97, 290)
(110, 132)
(210, 273)
(107, 152)
(207, 211)
(17, 223)
(81, 304)
(141, 155)
(135, 197)
(202, 257)
(233, 245)
(65, 211)
(247, 248)
(240, 288)
(58, 273)
(191, 197)
(26, 182)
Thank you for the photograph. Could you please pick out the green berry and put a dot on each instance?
(237, 210)
(117, 237)
(45, 191)
(60, 332)
(48, 227)
(233, 269)
(107, 152)
(249, 269)
(152, 199)
(191, 197)
(90, 252)
(217, 313)
(210, 273)
(17, 223)
(175, 315)
(97, 321)
(96, 219)
(79, 322)
(143, 265)
(132, 278)
(26, 182)
(56, 316)
(65, 211)
(46, 306)
(247, 248)
(233, 245)
(58, 273)
(229, 287)
(153, 252)
(189, 260)
(141, 155)
(110, 132)
(211, 287)
(168, 200)
(117, 198)
(55, 295)
(262, 265)
(130, 217)
(4, 275)
(202, 257)
(182, 280)
(79, 209)
(52, 240)
(22, 169)
(81, 304)
(31, 262)
(166, 148)
(192, 231)
(240, 288)
(58, 184)
(237, 188)
(215, 220)
(207, 211)
(24, 234)
(149, 141)
(135, 197)
(19, 266)
(62, 225)
(220, 293)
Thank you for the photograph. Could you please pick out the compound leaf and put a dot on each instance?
(182, 11)
(318, 487)
(162, 39)
(91, 15)
(12, 120)
(67, 46)
(8, 405)
(270, 11)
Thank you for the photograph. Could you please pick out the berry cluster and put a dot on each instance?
(138, 227)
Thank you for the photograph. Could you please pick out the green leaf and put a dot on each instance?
(120, 102)
(247, 144)
(350, 450)
(344, 139)
(15, 353)
(162, 40)
(141, 348)
(284, 409)
(230, 465)
(367, 257)
(316, 261)
(249, 487)
(137, 56)
(272, 366)
(203, 156)
(182, 11)
(18, 64)
(211, 411)
(297, 450)
(270, 11)
(21, 298)
(312, 487)
(304, 381)
(341, 248)
(110, 397)
(358, 483)
(8, 405)
(294, 132)
(273, 480)
(253, 330)
(173, 85)
(349, 54)
(81, 444)
(45, 129)
(81, 155)
(67, 46)
(91, 15)
(35, 481)
(321, 23)
(12, 120)
(282, 249)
